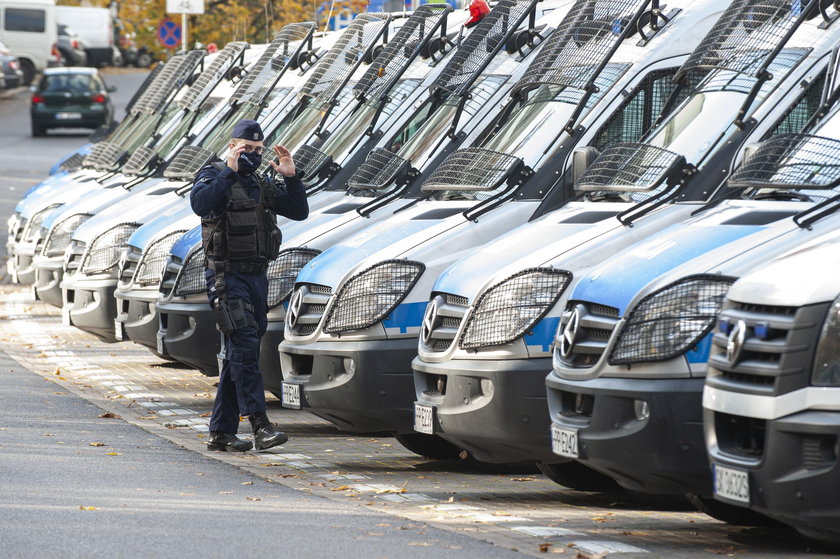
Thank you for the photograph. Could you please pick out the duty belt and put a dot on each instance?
(241, 267)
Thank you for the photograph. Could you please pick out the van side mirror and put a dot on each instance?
(582, 158)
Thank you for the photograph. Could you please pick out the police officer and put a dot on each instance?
(238, 212)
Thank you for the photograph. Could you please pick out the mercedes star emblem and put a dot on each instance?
(429, 321)
(735, 343)
(295, 306)
(569, 332)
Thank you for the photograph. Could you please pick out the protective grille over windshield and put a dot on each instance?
(138, 161)
(177, 69)
(744, 36)
(73, 162)
(627, 167)
(400, 51)
(792, 161)
(334, 68)
(187, 163)
(286, 46)
(212, 74)
(477, 50)
(472, 169)
(310, 160)
(104, 156)
(149, 80)
(586, 35)
(378, 171)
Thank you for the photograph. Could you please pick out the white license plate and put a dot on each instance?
(118, 330)
(564, 442)
(160, 347)
(424, 419)
(65, 314)
(732, 484)
(68, 116)
(291, 395)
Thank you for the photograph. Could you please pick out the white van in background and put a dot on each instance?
(95, 27)
(28, 28)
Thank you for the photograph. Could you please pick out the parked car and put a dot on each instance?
(96, 28)
(28, 28)
(70, 98)
(10, 73)
(71, 47)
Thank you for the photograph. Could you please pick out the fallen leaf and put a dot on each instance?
(524, 479)
(384, 491)
(247, 483)
(87, 508)
(340, 488)
(450, 499)
(544, 547)
(97, 444)
(253, 498)
(108, 415)
(463, 455)
(115, 454)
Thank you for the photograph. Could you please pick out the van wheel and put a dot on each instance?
(28, 70)
(430, 446)
(38, 131)
(731, 514)
(575, 475)
(144, 60)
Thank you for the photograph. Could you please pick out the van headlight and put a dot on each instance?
(59, 237)
(827, 358)
(670, 321)
(372, 294)
(283, 271)
(510, 308)
(106, 249)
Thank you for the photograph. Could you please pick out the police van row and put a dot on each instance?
(595, 235)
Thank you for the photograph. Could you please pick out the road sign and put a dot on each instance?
(185, 7)
(169, 33)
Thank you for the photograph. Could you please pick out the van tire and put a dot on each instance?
(731, 514)
(575, 475)
(144, 60)
(28, 69)
(430, 446)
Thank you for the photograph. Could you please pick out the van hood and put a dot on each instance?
(177, 217)
(188, 241)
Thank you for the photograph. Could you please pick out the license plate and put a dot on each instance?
(564, 442)
(65, 315)
(732, 484)
(424, 419)
(118, 330)
(68, 116)
(160, 347)
(291, 395)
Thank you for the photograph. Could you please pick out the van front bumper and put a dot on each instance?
(647, 434)
(494, 409)
(89, 302)
(795, 477)
(360, 386)
(48, 275)
(187, 333)
(137, 318)
(24, 263)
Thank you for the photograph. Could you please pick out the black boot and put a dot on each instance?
(227, 441)
(264, 434)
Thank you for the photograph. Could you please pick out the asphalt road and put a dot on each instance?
(63, 495)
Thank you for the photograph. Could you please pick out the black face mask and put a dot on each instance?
(249, 162)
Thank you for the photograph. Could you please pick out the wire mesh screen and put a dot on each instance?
(479, 47)
(286, 46)
(188, 162)
(746, 32)
(472, 169)
(191, 279)
(310, 160)
(627, 167)
(139, 160)
(792, 161)
(104, 156)
(73, 162)
(799, 113)
(149, 79)
(670, 321)
(212, 74)
(389, 65)
(151, 264)
(334, 68)
(283, 271)
(174, 73)
(584, 37)
(379, 170)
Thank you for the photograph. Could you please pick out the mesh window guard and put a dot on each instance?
(628, 167)
(571, 55)
(283, 271)
(310, 160)
(379, 170)
(73, 163)
(792, 161)
(191, 280)
(104, 156)
(333, 70)
(472, 169)
(212, 74)
(286, 46)
(188, 162)
(390, 64)
(478, 49)
(139, 160)
(176, 71)
(747, 26)
(151, 264)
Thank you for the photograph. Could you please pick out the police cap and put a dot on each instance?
(248, 130)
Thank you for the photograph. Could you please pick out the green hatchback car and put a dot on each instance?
(70, 98)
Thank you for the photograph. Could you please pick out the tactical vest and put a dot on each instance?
(245, 232)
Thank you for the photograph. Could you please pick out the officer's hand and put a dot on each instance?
(233, 156)
(284, 164)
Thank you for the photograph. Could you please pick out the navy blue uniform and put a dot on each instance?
(241, 390)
